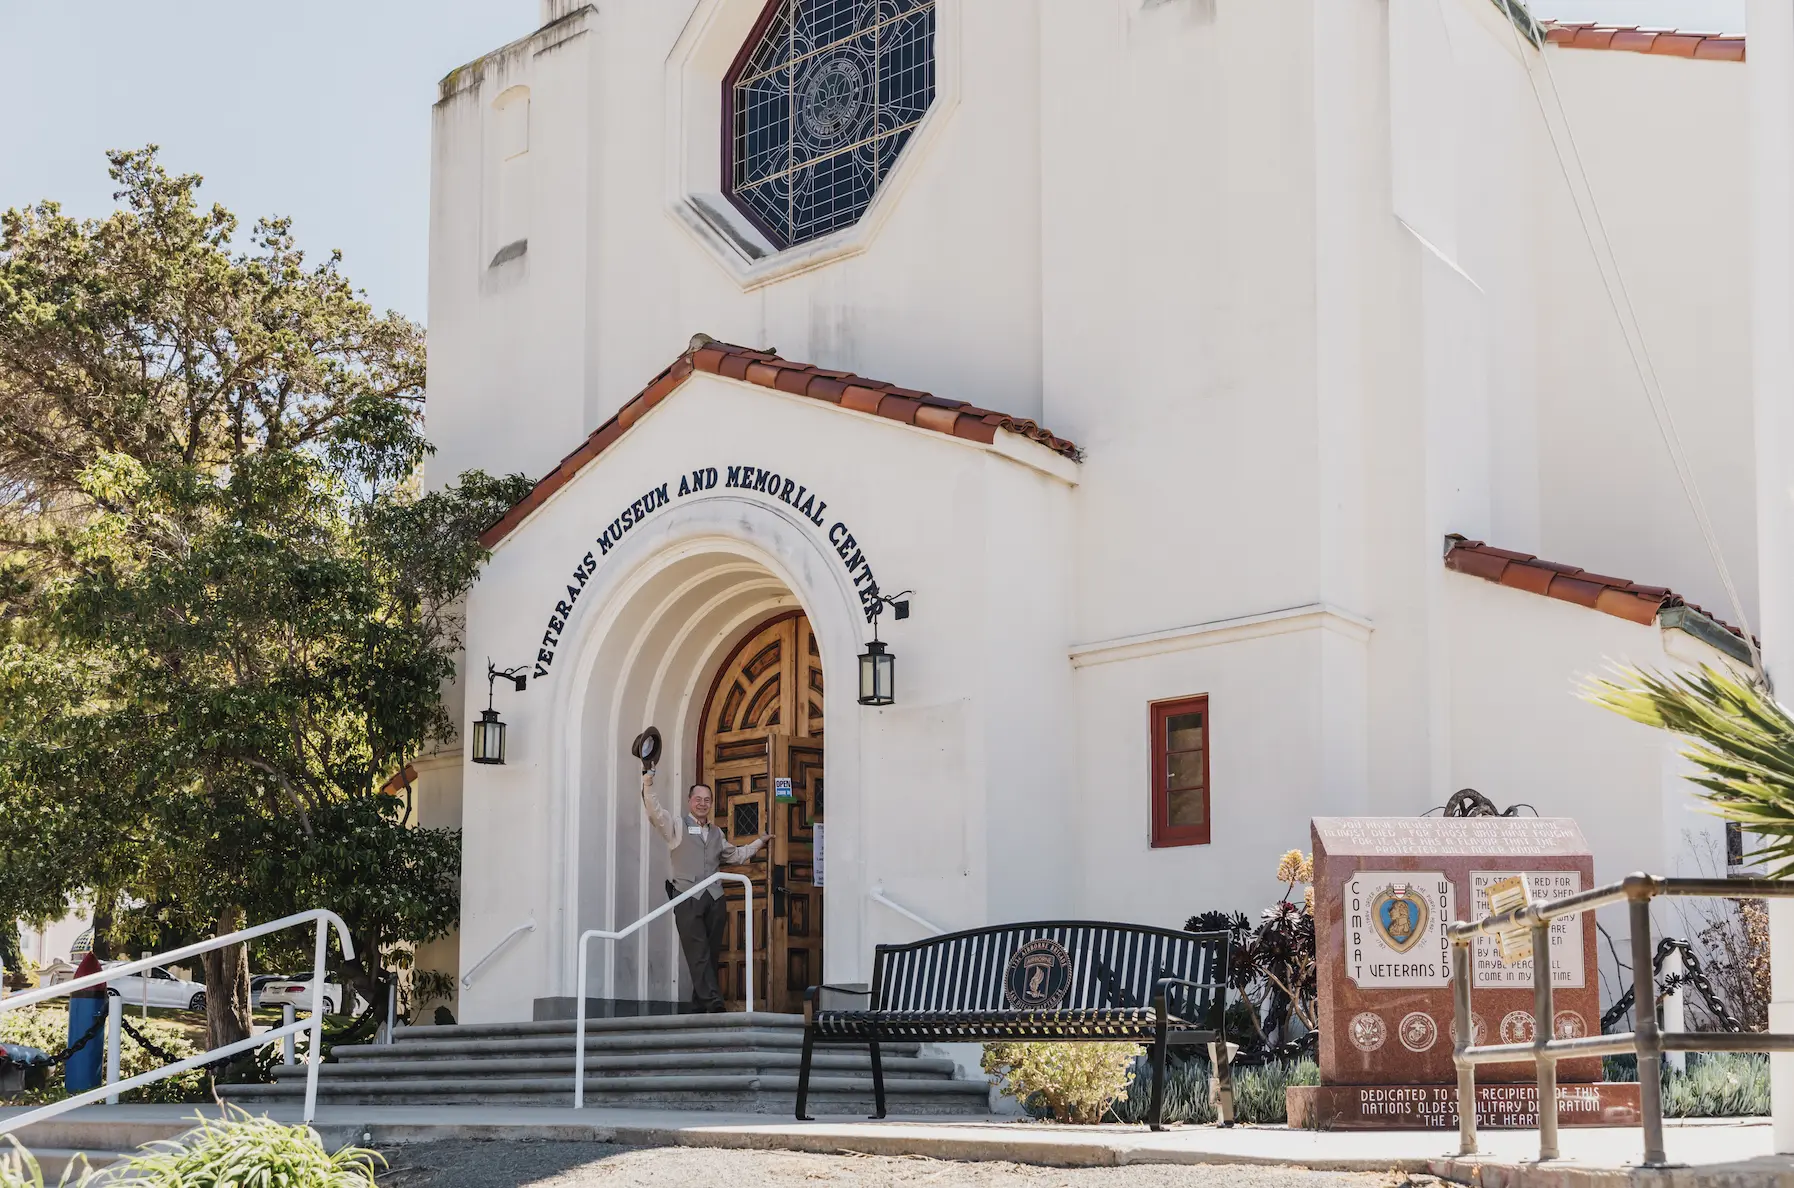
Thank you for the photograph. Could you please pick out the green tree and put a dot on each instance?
(1739, 737)
(228, 609)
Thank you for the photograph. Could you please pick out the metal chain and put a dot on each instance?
(62, 1057)
(1692, 975)
(154, 1049)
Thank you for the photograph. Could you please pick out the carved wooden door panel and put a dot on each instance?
(741, 780)
(795, 959)
(763, 724)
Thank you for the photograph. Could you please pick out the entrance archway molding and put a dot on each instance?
(657, 583)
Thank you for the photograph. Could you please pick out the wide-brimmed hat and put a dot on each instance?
(646, 747)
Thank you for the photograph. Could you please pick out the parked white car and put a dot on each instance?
(158, 988)
(297, 990)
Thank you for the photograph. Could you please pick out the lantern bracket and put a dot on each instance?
(518, 677)
(899, 604)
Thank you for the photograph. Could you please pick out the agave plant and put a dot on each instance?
(1742, 741)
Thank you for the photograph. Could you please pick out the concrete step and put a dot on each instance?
(607, 1064)
(745, 1062)
(619, 1043)
(747, 1092)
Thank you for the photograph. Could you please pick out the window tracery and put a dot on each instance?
(819, 104)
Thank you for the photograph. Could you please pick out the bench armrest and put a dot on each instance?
(813, 994)
(1158, 995)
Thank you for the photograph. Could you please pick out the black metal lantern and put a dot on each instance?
(489, 732)
(878, 668)
(489, 738)
(878, 675)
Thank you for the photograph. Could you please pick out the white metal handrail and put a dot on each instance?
(528, 925)
(315, 1058)
(592, 934)
(878, 895)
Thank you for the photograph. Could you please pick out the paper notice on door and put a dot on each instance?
(816, 853)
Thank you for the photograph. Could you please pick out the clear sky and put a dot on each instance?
(318, 109)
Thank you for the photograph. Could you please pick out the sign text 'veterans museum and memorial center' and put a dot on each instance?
(1384, 890)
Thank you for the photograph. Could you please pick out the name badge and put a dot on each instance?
(695, 830)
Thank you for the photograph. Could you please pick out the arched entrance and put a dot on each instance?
(760, 750)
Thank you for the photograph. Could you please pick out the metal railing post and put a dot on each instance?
(747, 950)
(592, 934)
(314, 1059)
(1542, 1011)
(1460, 999)
(115, 1018)
(579, 1031)
(287, 1050)
(1647, 1039)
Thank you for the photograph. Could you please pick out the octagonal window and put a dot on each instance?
(821, 99)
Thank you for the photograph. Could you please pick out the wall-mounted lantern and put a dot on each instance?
(878, 667)
(489, 731)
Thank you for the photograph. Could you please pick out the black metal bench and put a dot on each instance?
(1051, 980)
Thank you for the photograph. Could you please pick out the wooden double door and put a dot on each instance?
(760, 750)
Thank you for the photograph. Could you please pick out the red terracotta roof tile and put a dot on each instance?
(1640, 608)
(826, 387)
(1676, 43)
(1610, 595)
(860, 398)
(955, 418)
(898, 408)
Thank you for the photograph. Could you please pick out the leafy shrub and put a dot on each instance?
(242, 1149)
(1271, 965)
(1076, 1082)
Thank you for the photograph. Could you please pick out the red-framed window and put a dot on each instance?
(1181, 807)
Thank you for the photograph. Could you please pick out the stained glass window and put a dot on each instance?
(822, 99)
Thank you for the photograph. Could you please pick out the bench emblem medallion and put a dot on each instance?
(1038, 976)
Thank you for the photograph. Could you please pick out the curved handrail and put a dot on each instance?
(468, 977)
(592, 934)
(877, 894)
(325, 918)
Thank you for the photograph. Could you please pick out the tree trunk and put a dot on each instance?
(227, 985)
(102, 926)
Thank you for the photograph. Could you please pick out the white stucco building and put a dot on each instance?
(1174, 356)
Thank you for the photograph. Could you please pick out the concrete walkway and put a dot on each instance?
(1710, 1153)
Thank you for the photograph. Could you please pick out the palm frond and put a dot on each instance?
(1739, 737)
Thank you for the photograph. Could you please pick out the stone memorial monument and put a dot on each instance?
(1384, 889)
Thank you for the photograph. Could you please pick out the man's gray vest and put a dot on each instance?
(698, 854)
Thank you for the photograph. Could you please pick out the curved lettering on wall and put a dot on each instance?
(750, 479)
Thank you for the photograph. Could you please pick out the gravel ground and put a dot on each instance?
(467, 1164)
